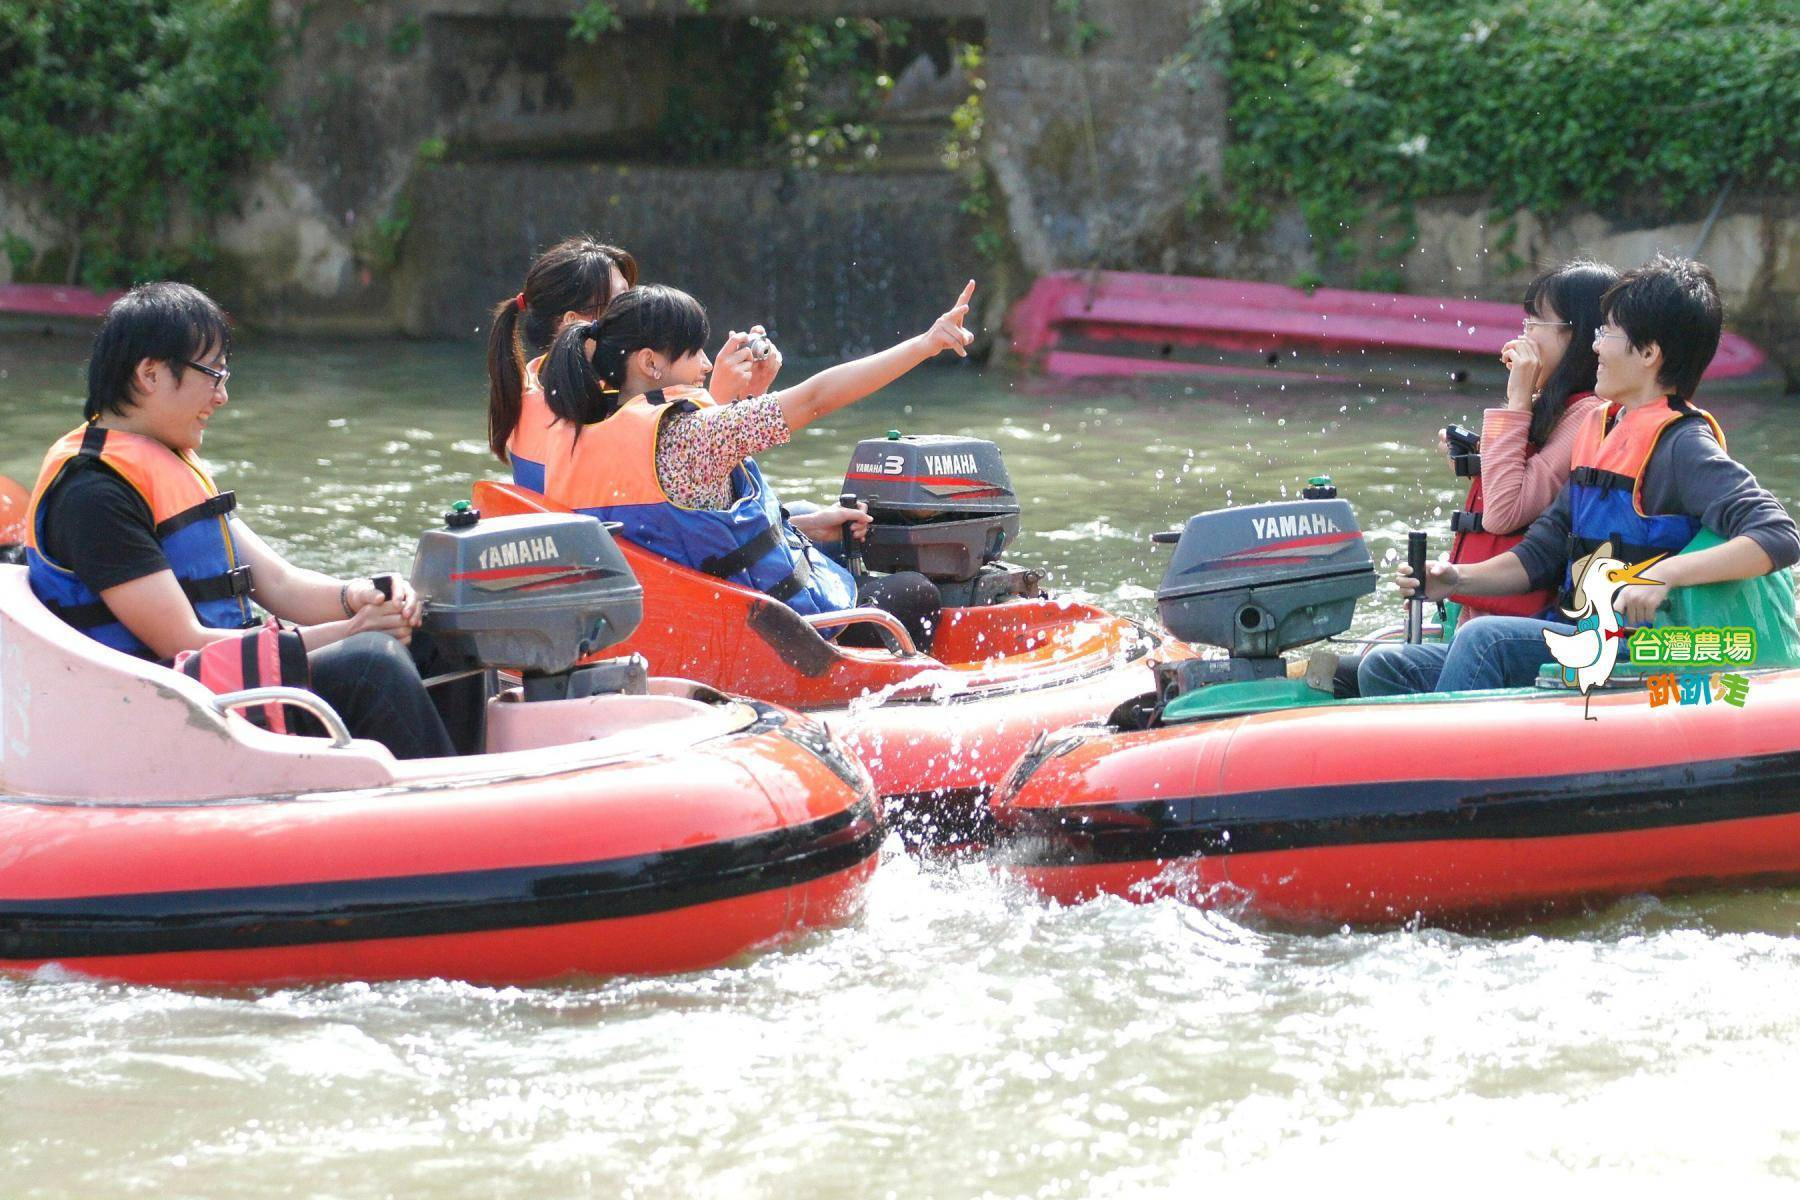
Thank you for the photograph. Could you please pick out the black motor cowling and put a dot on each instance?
(942, 505)
(533, 594)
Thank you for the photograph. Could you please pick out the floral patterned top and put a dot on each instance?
(697, 451)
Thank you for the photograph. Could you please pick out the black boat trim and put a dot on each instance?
(1400, 811)
(454, 902)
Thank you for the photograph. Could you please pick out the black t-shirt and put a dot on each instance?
(98, 526)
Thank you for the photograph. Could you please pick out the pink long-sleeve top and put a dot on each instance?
(1515, 487)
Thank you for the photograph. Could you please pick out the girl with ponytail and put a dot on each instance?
(641, 443)
(569, 282)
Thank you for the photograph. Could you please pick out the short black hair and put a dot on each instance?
(164, 322)
(1673, 302)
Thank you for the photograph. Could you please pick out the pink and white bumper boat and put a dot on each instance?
(610, 823)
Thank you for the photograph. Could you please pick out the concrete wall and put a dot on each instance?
(1096, 155)
(831, 264)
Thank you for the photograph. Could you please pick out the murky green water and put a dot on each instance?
(960, 1038)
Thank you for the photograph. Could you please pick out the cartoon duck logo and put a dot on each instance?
(1589, 655)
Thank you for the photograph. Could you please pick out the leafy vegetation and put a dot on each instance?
(128, 112)
(1355, 109)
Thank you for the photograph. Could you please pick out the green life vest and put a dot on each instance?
(1765, 604)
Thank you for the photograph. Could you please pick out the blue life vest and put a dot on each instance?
(192, 525)
(609, 472)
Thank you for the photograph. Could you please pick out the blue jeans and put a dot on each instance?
(1488, 652)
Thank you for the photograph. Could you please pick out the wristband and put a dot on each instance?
(344, 599)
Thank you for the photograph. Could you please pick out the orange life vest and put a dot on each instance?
(608, 470)
(534, 438)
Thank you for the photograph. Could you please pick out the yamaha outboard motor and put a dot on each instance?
(943, 506)
(533, 594)
(1259, 580)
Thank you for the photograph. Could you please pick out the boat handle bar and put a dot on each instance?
(1397, 632)
(865, 616)
(300, 698)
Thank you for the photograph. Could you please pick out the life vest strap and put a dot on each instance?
(233, 585)
(1464, 521)
(724, 566)
(93, 442)
(216, 506)
(1594, 477)
(797, 581)
(659, 397)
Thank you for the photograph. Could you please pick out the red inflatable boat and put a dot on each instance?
(607, 823)
(1444, 807)
(1236, 784)
(935, 731)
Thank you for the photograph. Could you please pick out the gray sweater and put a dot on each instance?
(1689, 474)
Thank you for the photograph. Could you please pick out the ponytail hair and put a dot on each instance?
(585, 369)
(1572, 292)
(572, 276)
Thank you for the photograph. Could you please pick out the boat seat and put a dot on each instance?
(80, 720)
(672, 712)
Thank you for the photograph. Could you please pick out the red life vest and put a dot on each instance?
(1474, 544)
(265, 657)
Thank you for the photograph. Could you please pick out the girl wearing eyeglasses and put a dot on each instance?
(1527, 443)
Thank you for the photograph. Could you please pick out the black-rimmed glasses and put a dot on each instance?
(218, 376)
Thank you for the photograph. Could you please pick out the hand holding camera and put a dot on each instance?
(1463, 445)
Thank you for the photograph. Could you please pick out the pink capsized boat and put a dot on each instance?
(41, 307)
(1120, 323)
(149, 832)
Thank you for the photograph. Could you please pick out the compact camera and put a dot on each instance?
(760, 346)
(1465, 446)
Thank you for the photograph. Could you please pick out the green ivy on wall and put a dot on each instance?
(1639, 106)
(834, 76)
(127, 111)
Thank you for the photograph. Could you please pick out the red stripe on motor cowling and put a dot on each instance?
(974, 483)
(510, 572)
(1323, 539)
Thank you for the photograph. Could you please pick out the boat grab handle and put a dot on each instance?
(1397, 632)
(300, 698)
(887, 622)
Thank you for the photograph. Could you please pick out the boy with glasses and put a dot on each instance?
(129, 540)
(1650, 474)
